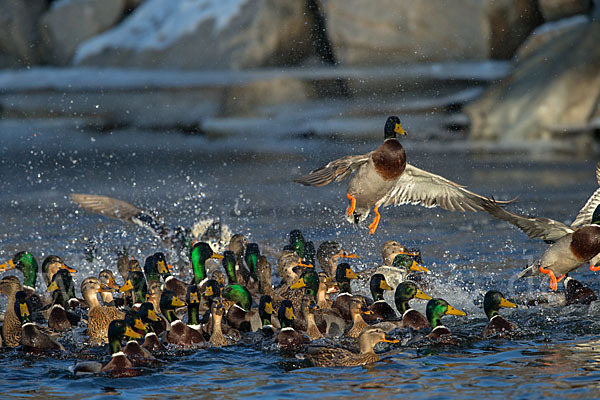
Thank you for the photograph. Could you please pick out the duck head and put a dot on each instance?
(437, 308)
(168, 303)
(201, 252)
(378, 285)
(392, 128)
(406, 262)
(62, 288)
(22, 307)
(309, 280)
(265, 309)
(405, 292)
(343, 275)
(493, 301)
(251, 257)
(51, 265)
(25, 262)
(229, 263)
(285, 314)
(117, 331)
(239, 295)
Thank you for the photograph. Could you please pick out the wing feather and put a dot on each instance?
(585, 214)
(338, 169)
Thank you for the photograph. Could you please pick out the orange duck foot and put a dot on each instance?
(373, 226)
(553, 281)
(594, 268)
(352, 204)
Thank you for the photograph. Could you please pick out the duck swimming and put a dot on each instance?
(383, 177)
(32, 338)
(492, 302)
(411, 318)
(435, 310)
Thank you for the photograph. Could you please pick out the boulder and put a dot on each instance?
(69, 23)
(551, 91)
(556, 9)
(19, 33)
(203, 34)
(407, 31)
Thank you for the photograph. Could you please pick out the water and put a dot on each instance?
(246, 182)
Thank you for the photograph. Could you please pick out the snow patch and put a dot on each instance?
(156, 24)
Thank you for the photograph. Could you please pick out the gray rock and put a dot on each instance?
(69, 23)
(18, 32)
(552, 91)
(406, 31)
(557, 9)
(203, 34)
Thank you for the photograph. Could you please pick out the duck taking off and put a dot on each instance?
(383, 177)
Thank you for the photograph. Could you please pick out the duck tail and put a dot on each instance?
(532, 270)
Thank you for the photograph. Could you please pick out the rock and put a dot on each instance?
(69, 23)
(19, 33)
(557, 9)
(406, 31)
(550, 91)
(203, 34)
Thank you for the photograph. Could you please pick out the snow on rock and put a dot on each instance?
(196, 34)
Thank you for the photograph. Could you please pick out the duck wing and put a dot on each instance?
(122, 210)
(535, 227)
(416, 186)
(585, 214)
(336, 169)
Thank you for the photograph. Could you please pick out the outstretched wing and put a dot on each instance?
(416, 186)
(535, 227)
(585, 214)
(337, 169)
(119, 209)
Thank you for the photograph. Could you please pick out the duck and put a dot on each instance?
(137, 354)
(60, 318)
(263, 274)
(266, 311)
(288, 337)
(307, 309)
(383, 177)
(217, 338)
(329, 254)
(179, 333)
(51, 265)
(402, 267)
(498, 326)
(577, 293)
(357, 309)
(237, 244)
(136, 284)
(119, 364)
(155, 325)
(343, 275)
(32, 338)
(436, 308)
(11, 328)
(193, 298)
(99, 317)
(381, 310)
(200, 253)
(391, 248)
(339, 357)
(296, 243)
(107, 278)
(154, 293)
(571, 246)
(240, 316)
(25, 262)
(411, 318)
(289, 267)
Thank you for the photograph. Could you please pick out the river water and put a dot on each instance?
(246, 182)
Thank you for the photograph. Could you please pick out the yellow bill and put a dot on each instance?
(53, 286)
(131, 333)
(350, 274)
(126, 286)
(139, 324)
(399, 129)
(152, 315)
(417, 267)
(388, 339)
(24, 310)
(507, 304)
(422, 295)
(194, 297)
(453, 311)
(7, 265)
(176, 302)
(215, 255)
(289, 313)
(299, 284)
(269, 308)
(383, 285)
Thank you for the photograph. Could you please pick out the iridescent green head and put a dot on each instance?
(405, 292)
(437, 308)
(25, 262)
(297, 242)
(62, 288)
(251, 257)
(22, 307)
(343, 274)
(117, 331)
(229, 262)
(201, 252)
(168, 303)
(493, 301)
(285, 314)
(239, 295)
(393, 127)
(309, 280)
(134, 320)
(378, 285)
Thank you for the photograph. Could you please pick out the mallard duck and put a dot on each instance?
(51, 265)
(11, 328)
(99, 317)
(179, 334)
(492, 302)
(297, 243)
(137, 354)
(435, 310)
(136, 284)
(147, 313)
(411, 318)
(251, 257)
(392, 248)
(25, 262)
(357, 309)
(60, 319)
(343, 275)
(307, 309)
(401, 268)
(266, 311)
(192, 298)
(383, 177)
(572, 247)
(289, 267)
(32, 339)
(107, 278)
(339, 357)
(237, 244)
(263, 273)
(381, 310)
(217, 339)
(154, 293)
(577, 293)
(240, 316)
(288, 337)
(200, 253)
(328, 255)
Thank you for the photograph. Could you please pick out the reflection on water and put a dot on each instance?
(247, 183)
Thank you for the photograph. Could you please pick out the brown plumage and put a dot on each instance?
(182, 335)
(217, 339)
(389, 160)
(414, 319)
(152, 343)
(498, 326)
(99, 317)
(585, 243)
(358, 323)
(577, 293)
(11, 328)
(138, 355)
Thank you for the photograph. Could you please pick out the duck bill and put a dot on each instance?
(194, 298)
(453, 311)
(351, 274)
(7, 265)
(400, 130)
(289, 313)
(169, 267)
(217, 256)
(418, 267)
(301, 264)
(507, 304)
(140, 325)
(269, 308)
(314, 306)
(332, 288)
(106, 289)
(71, 270)
(152, 315)
(127, 286)
(366, 311)
(176, 302)
(131, 333)
(162, 268)
(388, 339)
(113, 284)
(383, 285)
(422, 295)
(299, 284)
(348, 255)
(24, 310)
(53, 286)
(209, 292)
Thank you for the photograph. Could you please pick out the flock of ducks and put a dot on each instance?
(314, 302)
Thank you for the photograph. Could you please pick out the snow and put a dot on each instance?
(156, 24)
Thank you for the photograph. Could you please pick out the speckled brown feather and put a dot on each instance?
(331, 357)
(11, 328)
